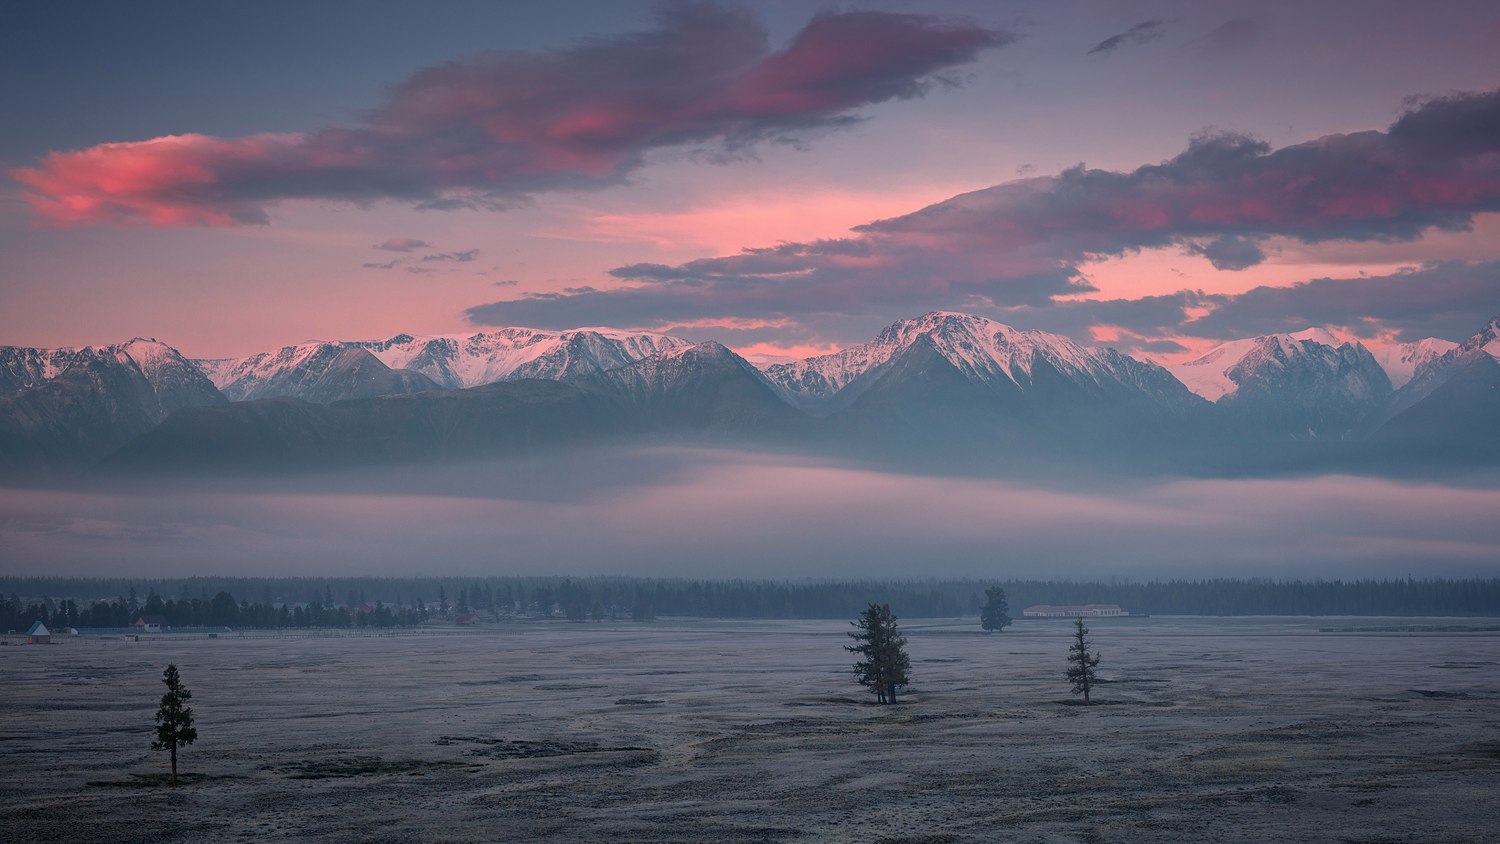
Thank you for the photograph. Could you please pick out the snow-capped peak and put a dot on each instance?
(986, 348)
(454, 361)
(1212, 375)
(980, 348)
(1490, 334)
(1401, 360)
(22, 367)
(506, 354)
(174, 380)
(1318, 334)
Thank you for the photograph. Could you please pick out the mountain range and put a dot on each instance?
(451, 362)
(963, 385)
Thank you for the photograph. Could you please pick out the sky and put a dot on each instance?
(784, 177)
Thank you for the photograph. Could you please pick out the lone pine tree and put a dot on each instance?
(174, 719)
(883, 665)
(996, 613)
(1081, 665)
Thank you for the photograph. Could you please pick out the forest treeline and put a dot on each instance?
(388, 602)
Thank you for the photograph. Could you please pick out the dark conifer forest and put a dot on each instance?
(289, 602)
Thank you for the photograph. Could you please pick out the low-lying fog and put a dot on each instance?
(670, 511)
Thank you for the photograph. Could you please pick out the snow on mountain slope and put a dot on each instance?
(217, 370)
(982, 349)
(288, 371)
(678, 364)
(1222, 370)
(704, 386)
(1208, 375)
(1451, 406)
(22, 367)
(1290, 386)
(1484, 346)
(1401, 360)
(65, 408)
(176, 381)
(1491, 337)
(509, 354)
(452, 361)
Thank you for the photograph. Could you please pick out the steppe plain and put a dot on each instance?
(1264, 729)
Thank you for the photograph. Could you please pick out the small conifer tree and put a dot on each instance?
(883, 665)
(1081, 664)
(996, 613)
(174, 719)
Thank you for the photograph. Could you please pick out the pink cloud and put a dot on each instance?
(178, 180)
(1018, 248)
(843, 61)
(490, 129)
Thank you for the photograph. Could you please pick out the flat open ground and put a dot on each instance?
(1209, 730)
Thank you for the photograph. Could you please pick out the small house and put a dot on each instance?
(466, 619)
(38, 634)
(150, 624)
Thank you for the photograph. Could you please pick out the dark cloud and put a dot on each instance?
(388, 265)
(1366, 186)
(1447, 299)
(1153, 347)
(1019, 245)
(464, 257)
(420, 270)
(1142, 33)
(1139, 319)
(1229, 252)
(509, 282)
(1458, 125)
(402, 244)
(826, 294)
(490, 129)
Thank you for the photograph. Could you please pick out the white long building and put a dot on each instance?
(1083, 611)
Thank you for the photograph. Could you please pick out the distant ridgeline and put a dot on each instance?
(274, 602)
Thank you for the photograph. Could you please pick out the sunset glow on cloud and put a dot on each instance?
(488, 130)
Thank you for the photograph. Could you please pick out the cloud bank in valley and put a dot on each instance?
(670, 512)
(492, 129)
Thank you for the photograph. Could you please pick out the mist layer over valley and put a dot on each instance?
(714, 512)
